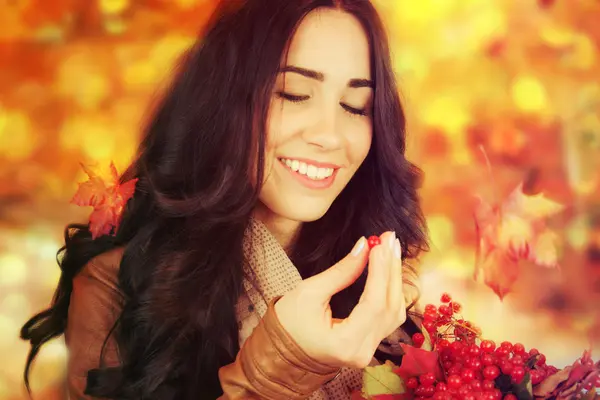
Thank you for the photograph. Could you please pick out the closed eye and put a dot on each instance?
(295, 98)
(354, 111)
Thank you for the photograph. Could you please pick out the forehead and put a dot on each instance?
(332, 42)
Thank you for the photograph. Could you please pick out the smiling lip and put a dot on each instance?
(313, 162)
(313, 183)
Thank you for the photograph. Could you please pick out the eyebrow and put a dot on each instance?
(352, 83)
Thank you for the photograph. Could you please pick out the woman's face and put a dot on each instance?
(319, 126)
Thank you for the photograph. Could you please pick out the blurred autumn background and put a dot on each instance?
(498, 93)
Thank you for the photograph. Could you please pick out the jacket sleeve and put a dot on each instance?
(270, 365)
(93, 310)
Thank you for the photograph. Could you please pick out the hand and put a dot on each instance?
(305, 312)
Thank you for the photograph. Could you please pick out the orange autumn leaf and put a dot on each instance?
(511, 232)
(107, 197)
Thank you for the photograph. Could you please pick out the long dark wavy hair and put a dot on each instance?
(182, 231)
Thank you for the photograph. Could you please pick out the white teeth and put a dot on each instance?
(312, 171)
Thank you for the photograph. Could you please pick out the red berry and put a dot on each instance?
(507, 345)
(507, 367)
(412, 383)
(445, 310)
(373, 241)
(467, 375)
(456, 347)
(469, 396)
(454, 370)
(446, 298)
(474, 363)
(518, 348)
(534, 352)
(517, 359)
(454, 381)
(477, 386)
(541, 360)
(427, 379)
(442, 344)
(429, 325)
(431, 315)
(488, 359)
(502, 352)
(536, 377)
(510, 396)
(518, 373)
(429, 391)
(491, 372)
(489, 385)
(418, 339)
(456, 307)
(488, 346)
(420, 391)
(474, 350)
(431, 308)
(464, 390)
(441, 387)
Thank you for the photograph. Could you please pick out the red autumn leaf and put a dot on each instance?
(416, 362)
(511, 232)
(108, 198)
(549, 385)
(570, 380)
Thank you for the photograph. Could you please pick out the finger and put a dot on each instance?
(396, 300)
(380, 267)
(373, 303)
(335, 279)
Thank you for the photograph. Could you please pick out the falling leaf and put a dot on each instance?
(108, 198)
(381, 379)
(511, 232)
(416, 362)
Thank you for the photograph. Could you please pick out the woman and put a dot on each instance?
(278, 146)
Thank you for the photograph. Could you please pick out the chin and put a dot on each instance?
(301, 211)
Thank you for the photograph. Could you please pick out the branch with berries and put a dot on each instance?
(451, 360)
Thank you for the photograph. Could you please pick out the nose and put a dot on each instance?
(323, 131)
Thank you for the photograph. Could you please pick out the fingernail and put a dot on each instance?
(397, 250)
(391, 240)
(358, 246)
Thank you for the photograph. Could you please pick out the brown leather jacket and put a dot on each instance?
(270, 365)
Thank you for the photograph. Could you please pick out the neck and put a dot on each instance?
(284, 230)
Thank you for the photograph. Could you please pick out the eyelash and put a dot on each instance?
(298, 99)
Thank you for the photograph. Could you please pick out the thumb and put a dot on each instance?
(341, 275)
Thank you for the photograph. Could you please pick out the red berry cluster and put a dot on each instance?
(443, 323)
(474, 369)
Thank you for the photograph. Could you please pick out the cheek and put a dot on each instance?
(359, 146)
